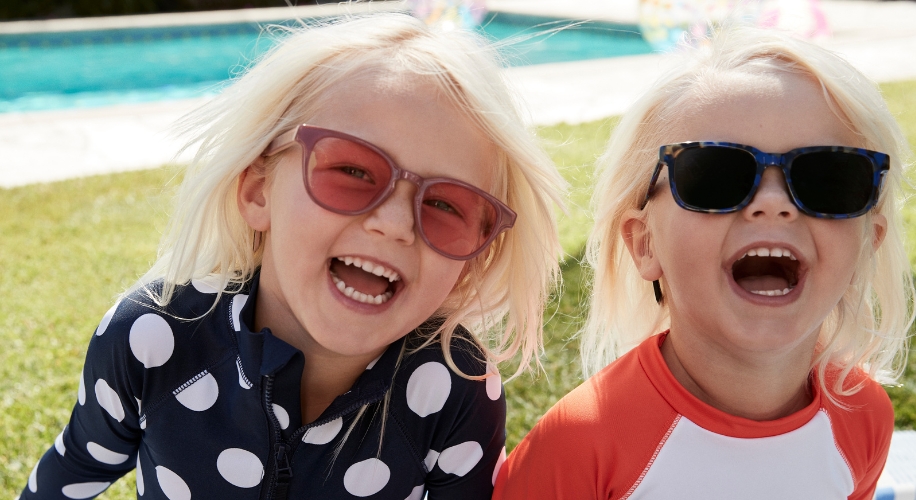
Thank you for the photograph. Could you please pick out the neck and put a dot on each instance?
(756, 386)
(326, 374)
(326, 377)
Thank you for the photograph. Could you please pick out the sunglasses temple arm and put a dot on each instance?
(655, 174)
(282, 142)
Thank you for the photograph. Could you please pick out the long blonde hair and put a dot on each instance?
(868, 327)
(505, 289)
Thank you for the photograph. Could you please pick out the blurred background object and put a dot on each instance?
(449, 14)
(665, 23)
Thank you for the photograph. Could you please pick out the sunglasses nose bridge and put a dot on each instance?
(769, 160)
(410, 177)
(416, 180)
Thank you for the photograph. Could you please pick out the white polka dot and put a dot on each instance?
(59, 443)
(461, 458)
(200, 395)
(105, 455)
(243, 380)
(173, 486)
(238, 302)
(499, 464)
(431, 458)
(324, 433)
(373, 362)
(106, 319)
(282, 416)
(141, 486)
(240, 467)
(81, 391)
(428, 388)
(151, 340)
(416, 493)
(33, 479)
(366, 478)
(209, 284)
(109, 400)
(494, 383)
(84, 490)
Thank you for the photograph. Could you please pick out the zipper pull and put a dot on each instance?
(284, 471)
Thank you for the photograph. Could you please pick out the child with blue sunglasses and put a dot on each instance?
(366, 230)
(751, 289)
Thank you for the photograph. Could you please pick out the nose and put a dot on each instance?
(772, 198)
(394, 218)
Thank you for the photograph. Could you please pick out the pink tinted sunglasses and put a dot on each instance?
(349, 176)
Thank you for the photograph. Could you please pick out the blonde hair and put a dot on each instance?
(868, 327)
(501, 296)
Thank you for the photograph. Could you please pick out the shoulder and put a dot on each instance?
(576, 450)
(438, 401)
(869, 407)
(862, 423)
(463, 377)
(615, 394)
(166, 343)
(140, 317)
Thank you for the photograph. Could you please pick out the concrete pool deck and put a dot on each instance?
(876, 37)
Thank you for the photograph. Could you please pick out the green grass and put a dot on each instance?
(68, 248)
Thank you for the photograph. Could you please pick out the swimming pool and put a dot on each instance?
(41, 71)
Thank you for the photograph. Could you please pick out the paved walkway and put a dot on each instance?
(877, 37)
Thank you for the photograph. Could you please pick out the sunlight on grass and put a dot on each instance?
(68, 248)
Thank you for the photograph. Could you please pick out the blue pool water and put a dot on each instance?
(98, 68)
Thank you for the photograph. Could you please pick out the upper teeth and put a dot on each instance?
(769, 252)
(369, 267)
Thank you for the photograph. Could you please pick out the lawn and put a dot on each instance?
(68, 248)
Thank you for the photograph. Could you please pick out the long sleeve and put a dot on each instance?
(99, 445)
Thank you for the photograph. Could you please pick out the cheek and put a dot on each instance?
(688, 242)
(840, 243)
(301, 232)
(440, 276)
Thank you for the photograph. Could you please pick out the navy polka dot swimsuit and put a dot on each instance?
(204, 408)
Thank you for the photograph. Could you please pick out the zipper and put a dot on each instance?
(282, 473)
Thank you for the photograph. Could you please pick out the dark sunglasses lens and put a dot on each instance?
(346, 176)
(455, 220)
(835, 183)
(714, 177)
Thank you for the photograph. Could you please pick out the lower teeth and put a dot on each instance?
(772, 293)
(358, 296)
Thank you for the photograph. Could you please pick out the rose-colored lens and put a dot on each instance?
(454, 219)
(346, 176)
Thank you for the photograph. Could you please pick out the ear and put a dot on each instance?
(637, 237)
(252, 196)
(879, 230)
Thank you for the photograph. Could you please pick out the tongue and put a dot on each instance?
(360, 280)
(763, 283)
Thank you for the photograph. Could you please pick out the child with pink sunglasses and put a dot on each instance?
(364, 232)
(751, 289)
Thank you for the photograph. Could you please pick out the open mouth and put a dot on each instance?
(364, 281)
(767, 271)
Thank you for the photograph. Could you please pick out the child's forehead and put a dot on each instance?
(736, 85)
(772, 110)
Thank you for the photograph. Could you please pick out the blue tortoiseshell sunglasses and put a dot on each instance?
(831, 182)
